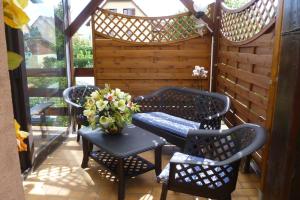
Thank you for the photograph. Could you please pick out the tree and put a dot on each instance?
(83, 53)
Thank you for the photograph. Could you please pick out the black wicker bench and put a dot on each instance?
(171, 112)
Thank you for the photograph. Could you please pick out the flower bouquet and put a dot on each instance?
(109, 109)
(200, 73)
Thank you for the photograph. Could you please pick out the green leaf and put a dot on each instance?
(14, 60)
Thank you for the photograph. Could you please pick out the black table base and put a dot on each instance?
(121, 167)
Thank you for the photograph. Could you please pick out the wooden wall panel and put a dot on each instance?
(245, 75)
(140, 69)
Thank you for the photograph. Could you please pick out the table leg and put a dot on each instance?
(121, 176)
(158, 160)
(86, 152)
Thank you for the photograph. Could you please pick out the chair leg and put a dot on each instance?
(226, 197)
(78, 136)
(164, 192)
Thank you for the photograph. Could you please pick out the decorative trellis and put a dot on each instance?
(246, 23)
(145, 30)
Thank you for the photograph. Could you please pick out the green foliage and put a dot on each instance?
(47, 82)
(83, 53)
(83, 62)
(235, 3)
(58, 101)
(60, 37)
(50, 62)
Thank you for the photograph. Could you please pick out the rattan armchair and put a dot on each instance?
(76, 96)
(184, 108)
(209, 167)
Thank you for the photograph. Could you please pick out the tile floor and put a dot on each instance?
(60, 177)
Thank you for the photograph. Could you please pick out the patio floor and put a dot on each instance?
(60, 177)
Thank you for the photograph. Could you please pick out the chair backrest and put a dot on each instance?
(192, 104)
(76, 95)
(230, 145)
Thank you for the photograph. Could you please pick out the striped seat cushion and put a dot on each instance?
(166, 122)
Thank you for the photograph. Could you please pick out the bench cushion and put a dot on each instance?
(166, 122)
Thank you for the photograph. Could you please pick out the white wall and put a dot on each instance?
(120, 5)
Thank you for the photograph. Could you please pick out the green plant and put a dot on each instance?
(83, 53)
(50, 62)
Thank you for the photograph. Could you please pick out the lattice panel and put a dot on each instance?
(144, 29)
(239, 26)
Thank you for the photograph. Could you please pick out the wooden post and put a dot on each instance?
(273, 88)
(10, 172)
(215, 47)
(283, 162)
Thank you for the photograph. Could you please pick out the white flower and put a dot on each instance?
(200, 72)
(105, 121)
(89, 113)
(101, 105)
(95, 95)
(121, 105)
(119, 93)
(128, 97)
(110, 97)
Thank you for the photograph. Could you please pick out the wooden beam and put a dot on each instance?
(273, 89)
(215, 49)
(189, 4)
(52, 72)
(84, 72)
(283, 172)
(91, 7)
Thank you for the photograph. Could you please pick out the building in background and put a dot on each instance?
(126, 7)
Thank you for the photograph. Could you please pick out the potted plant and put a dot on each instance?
(109, 109)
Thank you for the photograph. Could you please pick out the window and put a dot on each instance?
(113, 10)
(129, 11)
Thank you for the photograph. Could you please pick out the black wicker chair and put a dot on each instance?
(210, 166)
(170, 112)
(75, 96)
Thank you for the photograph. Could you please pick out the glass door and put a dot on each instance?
(44, 44)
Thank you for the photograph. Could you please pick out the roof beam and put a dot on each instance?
(189, 4)
(91, 7)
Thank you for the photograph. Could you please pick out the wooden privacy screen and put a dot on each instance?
(148, 57)
(245, 62)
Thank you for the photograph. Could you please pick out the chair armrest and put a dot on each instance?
(73, 104)
(181, 158)
(138, 99)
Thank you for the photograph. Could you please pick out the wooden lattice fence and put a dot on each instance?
(245, 62)
(142, 54)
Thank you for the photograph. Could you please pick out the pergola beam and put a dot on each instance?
(91, 7)
(189, 4)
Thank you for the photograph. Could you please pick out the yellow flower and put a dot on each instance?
(14, 16)
(21, 135)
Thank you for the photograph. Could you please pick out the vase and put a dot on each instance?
(114, 130)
